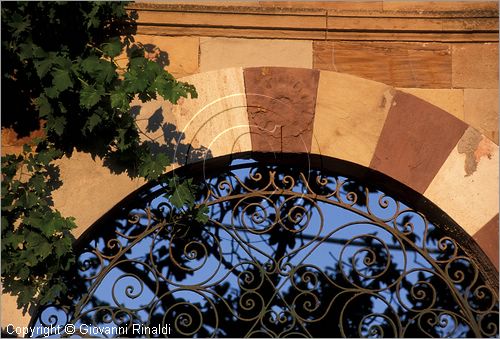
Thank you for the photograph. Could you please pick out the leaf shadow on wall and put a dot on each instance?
(171, 143)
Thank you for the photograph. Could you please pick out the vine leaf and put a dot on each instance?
(112, 48)
(181, 193)
(90, 95)
(202, 214)
(119, 100)
(61, 79)
(152, 167)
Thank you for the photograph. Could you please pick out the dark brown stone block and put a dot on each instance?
(416, 139)
(487, 239)
(281, 104)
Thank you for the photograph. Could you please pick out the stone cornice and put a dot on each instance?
(462, 22)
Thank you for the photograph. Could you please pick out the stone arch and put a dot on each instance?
(277, 109)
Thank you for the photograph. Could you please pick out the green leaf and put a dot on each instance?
(43, 66)
(44, 107)
(107, 73)
(177, 92)
(101, 70)
(112, 48)
(52, 293)
(90, 95)
(91, 64)
(46, 156)
(34, 240)
(28, 200)
(57, 124)
(202, 214)
(44, 250)
(53, 223)
(5, 223)
(34, 219)
(163, 86)
(51, 92)
(121, 140)
(19, 24)
(62, 246)
(61, 79)
(152, 167)
(119, 100)
(93, 121)
(182, 194)
(25, 51)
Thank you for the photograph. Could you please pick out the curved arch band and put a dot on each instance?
(292, 110)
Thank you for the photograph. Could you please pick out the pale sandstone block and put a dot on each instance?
(89, 189)
(215, 123)
(350, 114)
(466, 186)
(11, 315)
(450, 100)
(475, 65)
(181, 52)
(481, 111)
(438, 5)
(217, 53)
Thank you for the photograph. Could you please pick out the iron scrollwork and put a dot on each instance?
(285, 253)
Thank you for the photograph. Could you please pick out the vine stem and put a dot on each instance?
(83, 81)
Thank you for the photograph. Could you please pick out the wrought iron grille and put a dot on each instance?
(286, 252)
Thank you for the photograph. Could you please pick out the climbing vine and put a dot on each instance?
(71, 69)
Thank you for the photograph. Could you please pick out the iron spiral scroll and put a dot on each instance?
(286, 252)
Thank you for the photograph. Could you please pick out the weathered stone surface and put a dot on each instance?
(281, 104)
(467, 190)
(475, 65)
(89, 190)
(10, 314)
(487, 239)
(350, 114)
(13, 144)
(215, 123)
(180, 54)
(469, 145)
(412, 146)
(344, 5)
(415, 65)
(481, 111)
(217, 53)
(429, 6)
(449, 100)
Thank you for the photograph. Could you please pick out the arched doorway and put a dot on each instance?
(326, 248)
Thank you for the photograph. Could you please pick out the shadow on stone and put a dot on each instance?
(176, 148)
(171, 143)
(155, 121)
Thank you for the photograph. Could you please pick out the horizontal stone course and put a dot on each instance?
(475, 65)
(415, 65)
(218, 53)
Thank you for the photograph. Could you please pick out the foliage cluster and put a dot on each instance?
(62, 72)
